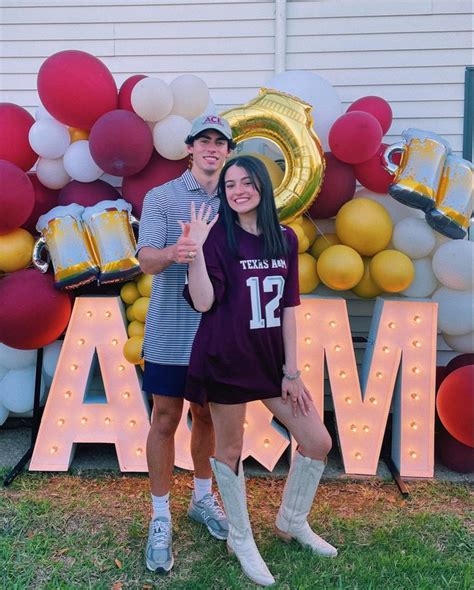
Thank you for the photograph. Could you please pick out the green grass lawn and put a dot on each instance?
(89, 531)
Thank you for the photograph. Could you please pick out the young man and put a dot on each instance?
(170, 329)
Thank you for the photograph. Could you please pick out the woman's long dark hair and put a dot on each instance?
(274, 243)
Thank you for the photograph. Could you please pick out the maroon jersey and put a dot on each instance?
(238, 353)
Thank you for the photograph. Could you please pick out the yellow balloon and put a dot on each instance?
(392, 270)
(78, 134)
(144, 283)
(136, 328)
(309, 229)
(275, 172)
(364, 225)
(16, 248)
(366, 287)
(129, 313)
(287, 121)
(140, 308)
(340, 267)
(307, 273)
(323, 242)
(303, 242)
(132, 350)
(129, 293)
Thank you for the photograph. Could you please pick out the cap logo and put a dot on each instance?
(213, 119)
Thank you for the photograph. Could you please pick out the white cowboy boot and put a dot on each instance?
(240, 539)
(298, 495)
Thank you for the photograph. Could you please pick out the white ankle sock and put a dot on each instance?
(202, 487)
(161, 505)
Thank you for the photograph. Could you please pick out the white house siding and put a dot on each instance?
(412, 53)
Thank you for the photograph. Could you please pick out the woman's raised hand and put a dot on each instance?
(199, 227)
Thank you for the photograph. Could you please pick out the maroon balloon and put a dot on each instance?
(76, 88)
(338, 187)
(15, 125)
(376, 106)
(441, 374)
(125, 92)
(453, 454)
(33, 313)
(460, 361)
(87, 194)
(45, 199)
(17, 197)
(121, 143)
(455, 404)
(158, 171)
(372, 174)
(355, 137)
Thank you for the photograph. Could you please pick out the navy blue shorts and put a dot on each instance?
(168, 380)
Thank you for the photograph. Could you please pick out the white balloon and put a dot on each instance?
(453, 263)
(13, 358)
(455, 311)
(463, 343)
(395, 209)
(424, 282)
(51, 356)
(79, 163)
(3, 414)
(414, 237)
(49, 138)
(210, 109)
(17, 390)
(152, 99)
(42, 113)
(51, 173)
(316, 91)
(190, 96)
(169, 136)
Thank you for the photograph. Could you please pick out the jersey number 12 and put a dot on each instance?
(270, 320)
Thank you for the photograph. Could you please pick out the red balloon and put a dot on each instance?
(355, 137)
(125, 92)
(455, 404)
(17, 197)
(460, 361)
(76, 88)
(45, 199)
(158, 171)
(338, 187)
(33, 313)
(377, 107)
(373, 175)
(121, 143)
(453, 454)
(87, 194)
(15, 124)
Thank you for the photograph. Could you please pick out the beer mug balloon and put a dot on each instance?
(64, 236)
(454, 200)
(109, 227)
(418, 175)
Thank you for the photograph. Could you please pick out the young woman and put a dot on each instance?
(243, 277)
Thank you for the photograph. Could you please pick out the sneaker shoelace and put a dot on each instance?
(161, 534)
(212, 502)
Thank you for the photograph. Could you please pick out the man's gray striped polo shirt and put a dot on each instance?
(171, 323)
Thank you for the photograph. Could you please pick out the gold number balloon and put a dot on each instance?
(286, 121)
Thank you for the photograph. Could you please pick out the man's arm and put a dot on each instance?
(155, 260)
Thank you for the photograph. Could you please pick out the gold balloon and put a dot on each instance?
(323, 242)
(366, 287)
(286, 121)
(307, 273)
(144, 284)
(16, 248)
(136, 328)
(340, 267)
(78, 134)
(140, 308)
(129, 313)
(303, 242)
(132, 350)
(129, 293)
(392, 270)
(309, 229)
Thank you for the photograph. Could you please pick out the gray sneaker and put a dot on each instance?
(159, 555)
(209, 512)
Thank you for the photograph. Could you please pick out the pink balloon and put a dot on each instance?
(15, 124)
(158, 171)
(377, 107)
(45, 199)
(33, 313)
(87, 193)
(125, 92)
(338, 187)
(373, 175)
(76, 88)
(17, 197)
(121, 143)
(355, 137)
